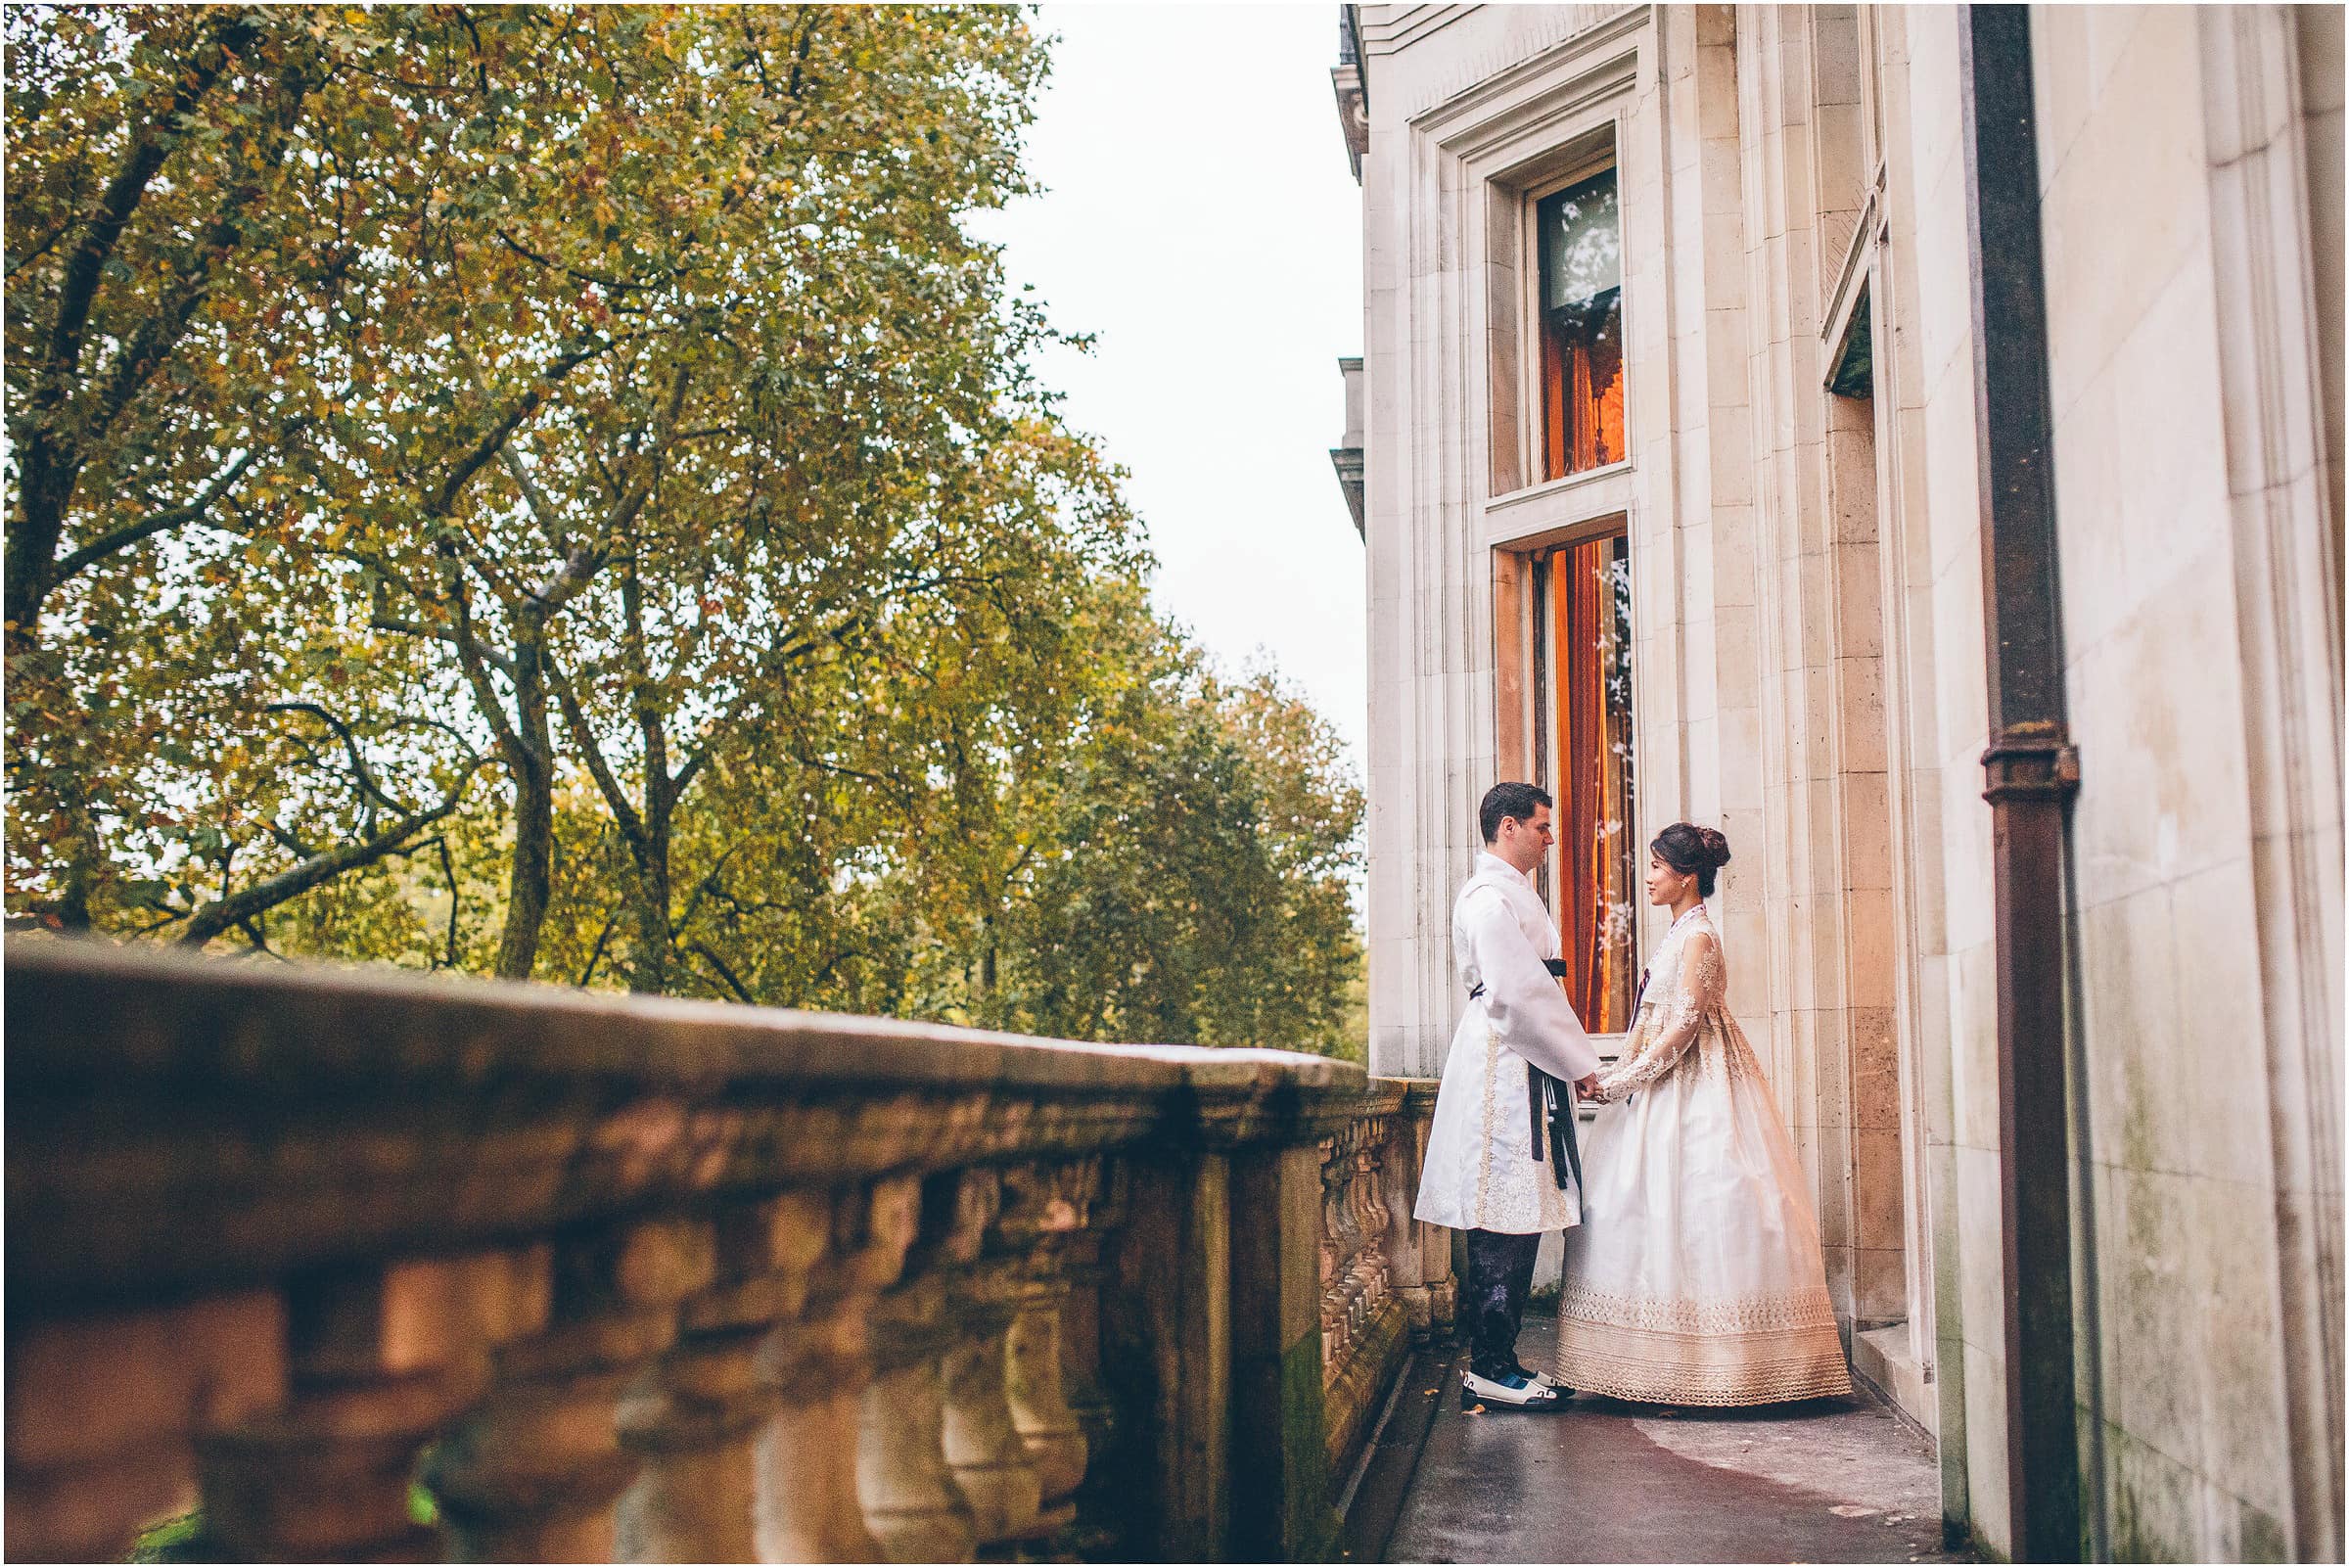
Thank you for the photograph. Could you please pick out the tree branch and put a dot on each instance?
(624, 811)
(359, 770)
(495, 438)
(145, 156)
(724, 972)
(122, 539)
(596, 953)
(232, 909)
(157, 336)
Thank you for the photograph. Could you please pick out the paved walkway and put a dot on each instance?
(1826, 1481)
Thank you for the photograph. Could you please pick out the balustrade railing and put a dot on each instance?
(365, 1266)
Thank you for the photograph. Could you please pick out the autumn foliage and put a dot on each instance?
(561, 493)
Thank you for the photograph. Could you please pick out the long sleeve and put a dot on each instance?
(1674, 1026)
(1529, 1009)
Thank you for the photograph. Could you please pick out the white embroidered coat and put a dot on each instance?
(1480, 1172)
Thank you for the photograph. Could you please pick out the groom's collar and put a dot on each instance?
(1487, 860)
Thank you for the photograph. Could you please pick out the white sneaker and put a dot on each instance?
(1515, 1393)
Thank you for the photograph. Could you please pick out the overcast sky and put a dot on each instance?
(1200, 217)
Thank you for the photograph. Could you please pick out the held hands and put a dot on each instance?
(1586, 1087)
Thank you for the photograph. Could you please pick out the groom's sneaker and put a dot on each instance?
(1543, 1379)
(1511, 1390)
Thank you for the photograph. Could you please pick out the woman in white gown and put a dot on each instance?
(1695, 1278)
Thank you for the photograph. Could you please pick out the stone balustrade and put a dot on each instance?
(369, 1266)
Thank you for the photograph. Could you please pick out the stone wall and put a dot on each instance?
(621, 1279)
(1810, 668)
(2200, 584)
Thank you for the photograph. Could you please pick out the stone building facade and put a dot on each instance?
(1688, 418)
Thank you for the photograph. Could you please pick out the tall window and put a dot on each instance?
(1583, 744)
(1580, 328)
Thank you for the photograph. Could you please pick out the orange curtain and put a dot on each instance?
(1594, 810)
(1581, 390)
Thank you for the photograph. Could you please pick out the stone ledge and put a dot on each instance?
(178, 1124)
(1880, 1357)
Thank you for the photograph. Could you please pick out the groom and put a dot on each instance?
(1518, 1046)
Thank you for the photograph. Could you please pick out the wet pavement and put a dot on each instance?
(1602, 1481)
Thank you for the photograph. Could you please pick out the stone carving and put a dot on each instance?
(740, 1287)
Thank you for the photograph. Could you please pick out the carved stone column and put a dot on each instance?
(819, 1367)
(983, 1444)
(535, 1473)
(913, 1502)
(104, 1412)
(1046, 1207)
(697, 1421)
(383, 1358)
(1370, 1221)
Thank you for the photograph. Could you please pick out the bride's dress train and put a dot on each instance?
(1695, 1278)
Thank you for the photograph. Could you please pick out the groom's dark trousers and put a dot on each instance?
(1501, 1271)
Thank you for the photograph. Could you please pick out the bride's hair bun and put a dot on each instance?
(1717, 846)
(1693, 851)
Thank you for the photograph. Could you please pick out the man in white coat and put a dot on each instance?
(1486, 1172)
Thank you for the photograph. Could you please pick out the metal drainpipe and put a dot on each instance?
(2032, 774)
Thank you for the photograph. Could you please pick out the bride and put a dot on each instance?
(1696, 1276)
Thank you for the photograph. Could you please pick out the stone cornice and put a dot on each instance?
(1496, 74)
(179, 1123)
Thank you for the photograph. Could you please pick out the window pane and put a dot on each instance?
(1589, 697)
(1580, 245)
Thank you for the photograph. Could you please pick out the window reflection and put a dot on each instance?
(1581, 248)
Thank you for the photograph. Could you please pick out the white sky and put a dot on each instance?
(1200, 217)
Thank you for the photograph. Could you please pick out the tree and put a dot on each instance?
(1197, 884)
(558, 490)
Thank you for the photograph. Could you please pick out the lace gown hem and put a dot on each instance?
(1664, 1367)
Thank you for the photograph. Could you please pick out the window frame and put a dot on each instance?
(1591, 150)
(1597, 159)
(1527, 696)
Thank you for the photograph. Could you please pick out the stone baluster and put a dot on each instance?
(1362, 1260)
(1418, 1255)
(1371, 1220)
(982, 1443)
(913, 1502)
(820, 1368)
(383, 1358)
(535, 1473)
(1045, 1207)
(1332, 1266)
(1341, 1241)
(1358, 1300)
(105, 1413)
(696, 1421)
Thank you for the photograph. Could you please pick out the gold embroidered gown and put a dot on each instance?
(1695, 1278)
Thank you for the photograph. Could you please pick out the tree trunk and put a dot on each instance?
(531, 880)
(529, 755)
(648, 974)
